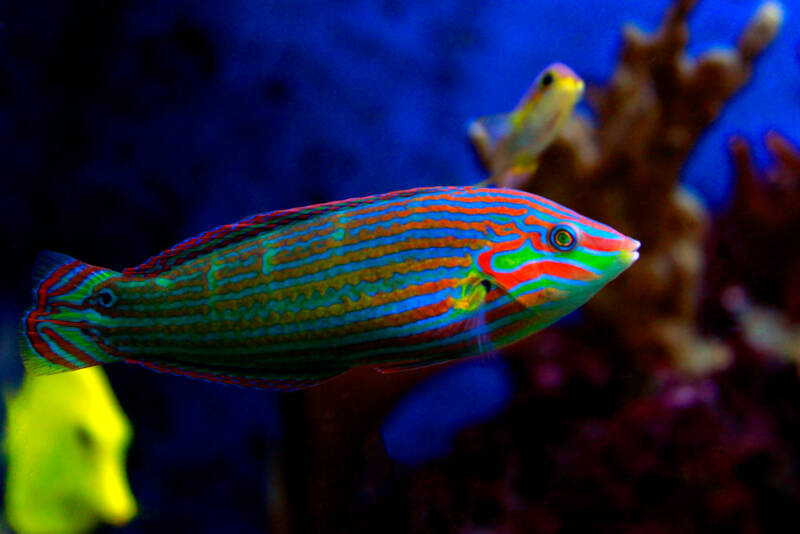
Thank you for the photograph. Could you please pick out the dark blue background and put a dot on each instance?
(127, 126)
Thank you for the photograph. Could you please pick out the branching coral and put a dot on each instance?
(753, 270)
(625, 170)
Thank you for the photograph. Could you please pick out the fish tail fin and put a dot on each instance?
(58, 333)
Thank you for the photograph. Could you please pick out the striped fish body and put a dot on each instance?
(285, 299)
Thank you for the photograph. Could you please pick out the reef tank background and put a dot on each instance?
(669, 403)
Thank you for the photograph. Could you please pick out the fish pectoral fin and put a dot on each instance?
(486, 133)
(481, 142)
(472, 296)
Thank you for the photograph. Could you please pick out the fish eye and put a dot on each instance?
(547, 79)
(85, 439)
(487, 285)
(106, 298)
(563, 238)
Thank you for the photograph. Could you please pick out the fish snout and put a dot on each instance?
(629, 252)
(569, 80)
(580, 87)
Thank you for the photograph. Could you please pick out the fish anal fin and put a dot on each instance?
(391, 368)
(247, 379)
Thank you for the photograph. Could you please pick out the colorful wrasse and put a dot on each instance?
(288, 298)
(509, 144)
(66, 439)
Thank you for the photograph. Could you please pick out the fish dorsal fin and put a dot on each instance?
(225, 235)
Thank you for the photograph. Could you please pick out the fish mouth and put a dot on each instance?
(630, 251)
(579, 88)
(572, 89)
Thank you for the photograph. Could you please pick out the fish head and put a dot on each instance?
(550, 99)
(517, 138)
(552, 260)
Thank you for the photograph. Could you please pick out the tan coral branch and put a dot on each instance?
(626, 169)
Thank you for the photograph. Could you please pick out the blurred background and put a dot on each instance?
(672, 404)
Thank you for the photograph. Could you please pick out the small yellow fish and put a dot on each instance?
(66, 440)
(509, 144)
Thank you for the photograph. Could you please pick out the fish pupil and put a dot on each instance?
(106, 298)
(562, 239)
(487, 285)
(547, 79)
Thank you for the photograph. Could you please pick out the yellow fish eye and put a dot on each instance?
(563, 238)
